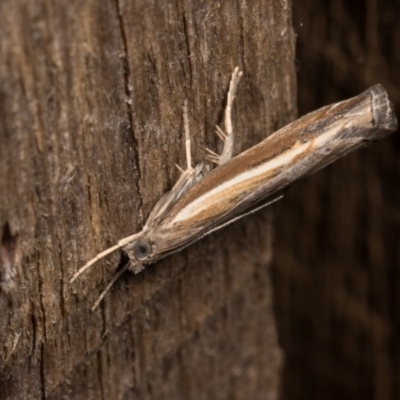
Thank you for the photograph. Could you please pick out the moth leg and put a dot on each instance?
(189, 176)
(212, 156)
(228, 136)
(189, 167)
(220, 133)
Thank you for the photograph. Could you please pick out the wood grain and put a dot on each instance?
(91, 96)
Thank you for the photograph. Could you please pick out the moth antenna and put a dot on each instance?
(109, 286)
(121, 243)
(254, 210)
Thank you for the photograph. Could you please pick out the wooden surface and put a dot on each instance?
(91, 127)
(337, 242)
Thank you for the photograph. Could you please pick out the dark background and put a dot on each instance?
(337, 257)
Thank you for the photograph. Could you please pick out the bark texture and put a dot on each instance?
(91, 94)
(337, 259)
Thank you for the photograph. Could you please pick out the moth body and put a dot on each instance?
(201, 201)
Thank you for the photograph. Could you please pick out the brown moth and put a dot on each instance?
(201, 202)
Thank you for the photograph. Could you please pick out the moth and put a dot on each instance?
(201, 202)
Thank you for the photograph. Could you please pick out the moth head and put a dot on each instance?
(142, 249)
(140, 253)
